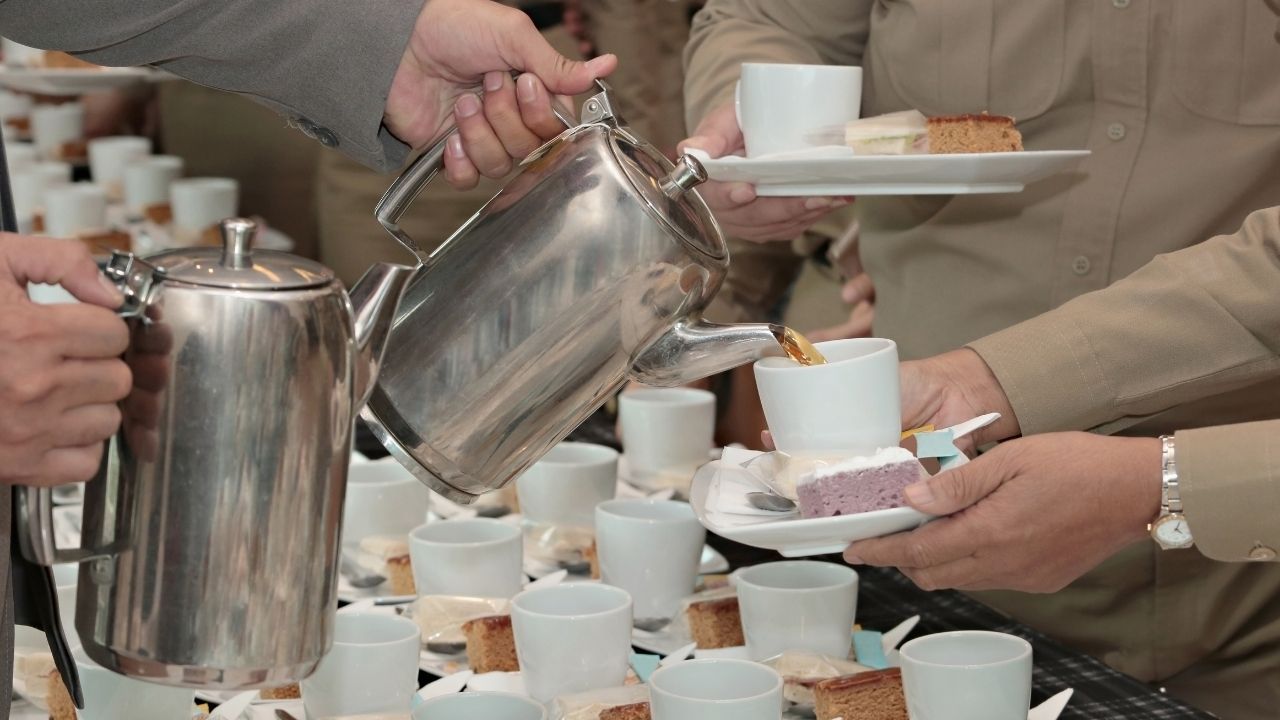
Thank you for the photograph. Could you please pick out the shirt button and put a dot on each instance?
(1116, 131)
(326, 137)
(1122, 4)
(1262, 553)
(1080, 265)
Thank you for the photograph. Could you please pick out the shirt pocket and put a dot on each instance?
(1226, 60)
(945, 57)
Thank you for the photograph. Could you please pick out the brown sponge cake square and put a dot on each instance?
(491, 644)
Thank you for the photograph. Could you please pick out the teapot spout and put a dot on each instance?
(374, 300)
(694, 348)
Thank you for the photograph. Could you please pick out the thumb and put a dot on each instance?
(718, 133)
(530, 52)
(25, 259)
(954, 490)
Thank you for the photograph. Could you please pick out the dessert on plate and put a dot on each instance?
(873, 695)
(858, 484)
(285, 692)
(634, 711)
(491, 644)
(973, 134)
(802, 671)
(716, 623)
(389, 556)
(911, 133)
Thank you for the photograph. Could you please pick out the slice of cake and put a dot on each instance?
(592, 556)
(61, 706)
(285, 692)
(859, 484)
(634, 711)
(875, 695)
(716, 623)
(57, 60)
(973, 134)
(491, 644)
(390, 556)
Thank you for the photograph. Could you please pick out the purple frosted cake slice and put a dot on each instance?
(859, 484)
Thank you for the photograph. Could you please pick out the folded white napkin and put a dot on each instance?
(823, 152)
(726, 505)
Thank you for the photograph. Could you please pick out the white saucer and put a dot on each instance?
(836, 175)
(68, 81)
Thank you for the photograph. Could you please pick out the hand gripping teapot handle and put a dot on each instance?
(405, 189)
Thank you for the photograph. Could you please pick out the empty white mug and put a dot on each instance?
(476, 557)
(74, 209)
(718, 689)
(382, 499)
(651, 549)
(797, 605)
(111, 696)
(780, 105)
(967, 675)
(572, 637)
(848, 406)
(19, 154)
(147, 182)
(53, 126)
(564, 487)
(108, 158)
(478, 705)
(666, 431)
(371, 668)
(201, 203)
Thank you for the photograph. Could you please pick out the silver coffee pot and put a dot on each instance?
(209, 540)
(592, 265)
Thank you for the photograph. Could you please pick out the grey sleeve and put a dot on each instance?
(326, 65)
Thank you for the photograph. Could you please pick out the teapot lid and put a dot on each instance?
(666, 188)
(237, 266)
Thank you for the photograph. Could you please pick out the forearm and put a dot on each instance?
(727, 33)
(1188, 325)
(1229, 478)
(325, 65)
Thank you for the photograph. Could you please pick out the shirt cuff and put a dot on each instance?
(1229, 482)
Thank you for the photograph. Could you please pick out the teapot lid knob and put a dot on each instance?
(688, 172)
(237, 236)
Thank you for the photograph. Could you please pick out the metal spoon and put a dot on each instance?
(650, 624)
(446, 647)
(771, 502)
(493, 511)
(576, 567)
(356, 575)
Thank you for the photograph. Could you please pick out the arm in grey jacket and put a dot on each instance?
(326, 65)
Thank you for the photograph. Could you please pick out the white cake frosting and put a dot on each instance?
(882, 457)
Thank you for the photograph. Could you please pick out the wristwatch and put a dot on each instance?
(1170, 529)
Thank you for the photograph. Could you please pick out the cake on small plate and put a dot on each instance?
(858, 484)
(284, 692)
(491, 644)
(716, 623)
(390, 556)
(874, 695)
(634, 711)
(973, 134)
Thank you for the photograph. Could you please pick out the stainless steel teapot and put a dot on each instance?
(592, 264)
(209, 540)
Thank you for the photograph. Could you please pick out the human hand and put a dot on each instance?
(60, 369)
(456, 45)
(953, 387)
(859, 292)
(735, 205)
(1032, 514)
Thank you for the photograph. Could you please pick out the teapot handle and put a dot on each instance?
(405, 189)
(33, 518)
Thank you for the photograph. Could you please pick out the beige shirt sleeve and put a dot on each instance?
(1229, 478)
(727, 33)
(1189, 325)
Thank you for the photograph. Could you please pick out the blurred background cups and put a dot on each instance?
(111, 696)
(108, 158)
(797, 605)
(651, 549)
(476, 558)
(20, 155)
(781, 105)
(572, 637)
(199, 204)
(146, 186)
(29, 184)
(74, 209)
(849, 406)
(967, 675)
(480, 706)
(371, 668)
(17, 55)
(57, 130)
(666, 432)
(382, 499)
(715, 690)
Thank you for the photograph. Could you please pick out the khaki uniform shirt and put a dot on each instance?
(1179, 101)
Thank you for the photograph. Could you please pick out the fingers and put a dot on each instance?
(531, 52)
(858, 289)
(484, 149)
(68, 465)
(87, 425)
(968, 573)
(25, 259)
(85, 331)
(955, 490)
(858, 325)
(90, 383)
(941, 541)
(766, 440)
(535, 108)
(458, 168)
(504, 114)
(718, 134)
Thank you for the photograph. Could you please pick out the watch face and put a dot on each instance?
(1173, 531)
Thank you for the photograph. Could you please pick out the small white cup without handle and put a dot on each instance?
(666, 429)
(797, 605)
(652, 550)
(715, 690)
(382, 499)
(967, 675)
(475, 557)
(564, 487)
(371, 668)
(572, 638)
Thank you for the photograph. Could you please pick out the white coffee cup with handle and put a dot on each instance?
(780, 105)
(475, 557)
(797, 605)
(371, 668)
(651, 549)
(572, 637)
(719, 689)
(967, 675)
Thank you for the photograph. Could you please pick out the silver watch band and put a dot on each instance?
(1170, 497)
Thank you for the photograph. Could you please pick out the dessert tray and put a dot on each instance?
(837, 171)
(68, 81)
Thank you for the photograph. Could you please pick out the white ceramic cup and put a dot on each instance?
(75, 208)
(572, 637)
(29, 183)
(18, 55)
(111, 696)
(797, 605)
(718, 689)
(778, 105)
(108, 158)
(200, 203)
(480, 705)
(20, 155)
(564, 487)
(382, 499)
(147, 181)
(651, 549)
(54, 125)
(477, 557)
(371, 668)
(666, 430)
(967, 675)
(849, 406)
